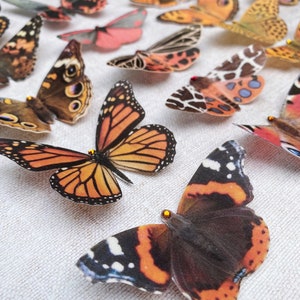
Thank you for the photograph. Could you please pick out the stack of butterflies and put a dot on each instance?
(213, 240)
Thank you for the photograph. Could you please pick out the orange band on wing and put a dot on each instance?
(231, 188)
(147, 265)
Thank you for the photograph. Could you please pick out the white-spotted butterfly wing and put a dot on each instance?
(174, 53)
(65, 93)
(232, 83)
(123, 30)
(260, 22)
(283, 131)
(17, 56)
(207, 247)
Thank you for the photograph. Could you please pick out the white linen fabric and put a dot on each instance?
(43, 234)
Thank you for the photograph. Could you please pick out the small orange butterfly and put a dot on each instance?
(206, 12)
(260, 22)
(4, 23)
(90, 178)
(160, 3)
(289, 52)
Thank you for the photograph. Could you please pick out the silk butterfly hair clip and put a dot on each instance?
(206, 13)
(260, 22)
(289, 52)
(91, 178)
(18, 55)
(60, 14)
(173, 53)
(123, 30)
(159, 3)
(283, 131)
(222, 90)
(207, 247)
(64, 93)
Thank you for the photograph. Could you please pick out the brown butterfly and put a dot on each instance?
(17, 56)
(65, 93)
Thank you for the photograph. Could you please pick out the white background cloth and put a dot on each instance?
(43, 234)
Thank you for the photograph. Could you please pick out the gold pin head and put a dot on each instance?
(166, 214)
(91, 152)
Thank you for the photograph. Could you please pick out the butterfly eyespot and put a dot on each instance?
(8, 118)
(223, 2)
(28, 124)
(74, 90)
(166, 214)
(74, 106)
(71, 71)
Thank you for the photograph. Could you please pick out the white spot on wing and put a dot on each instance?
(114, 247)
(230, 166)
(117, 266)
(211, 164)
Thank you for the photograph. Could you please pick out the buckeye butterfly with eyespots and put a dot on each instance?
(65, 93)
(90, 178)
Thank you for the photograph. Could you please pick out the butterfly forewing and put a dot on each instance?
(183, 39)
(132, 250)
(40, 157)
(17, 56)
(149, 149)
(119, 115)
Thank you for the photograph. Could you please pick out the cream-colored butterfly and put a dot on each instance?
(289, 52)
(260, 22)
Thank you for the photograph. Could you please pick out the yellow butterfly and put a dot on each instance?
(206, 12)
(260, 22)
(289, 52)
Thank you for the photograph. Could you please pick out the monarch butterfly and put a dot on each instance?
(89, 178)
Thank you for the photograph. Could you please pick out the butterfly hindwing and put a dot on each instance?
(123, 30)
(17, 56)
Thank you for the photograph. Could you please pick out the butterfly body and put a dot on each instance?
(17, 56)
(220, 92)
(173, 53)
(283, 131)
(64, 94)
(91, 178)
(123, 30)
(207, 247)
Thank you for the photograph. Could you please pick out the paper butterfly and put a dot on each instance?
(206, 248)
(91, 178)
(4, 23)
(207, 13)
(123, 30)
(219, 93)
(284, 131)
(160, 3)
(260, 22)
(289, 52)
(173, 53)
(288, 2)
(57, 14)
(65, 93)
(17, 56)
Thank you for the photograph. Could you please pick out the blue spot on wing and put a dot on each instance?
(244, 93)
(231, 85)
(254, 84)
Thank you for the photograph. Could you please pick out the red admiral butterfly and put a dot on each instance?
(207, 247)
